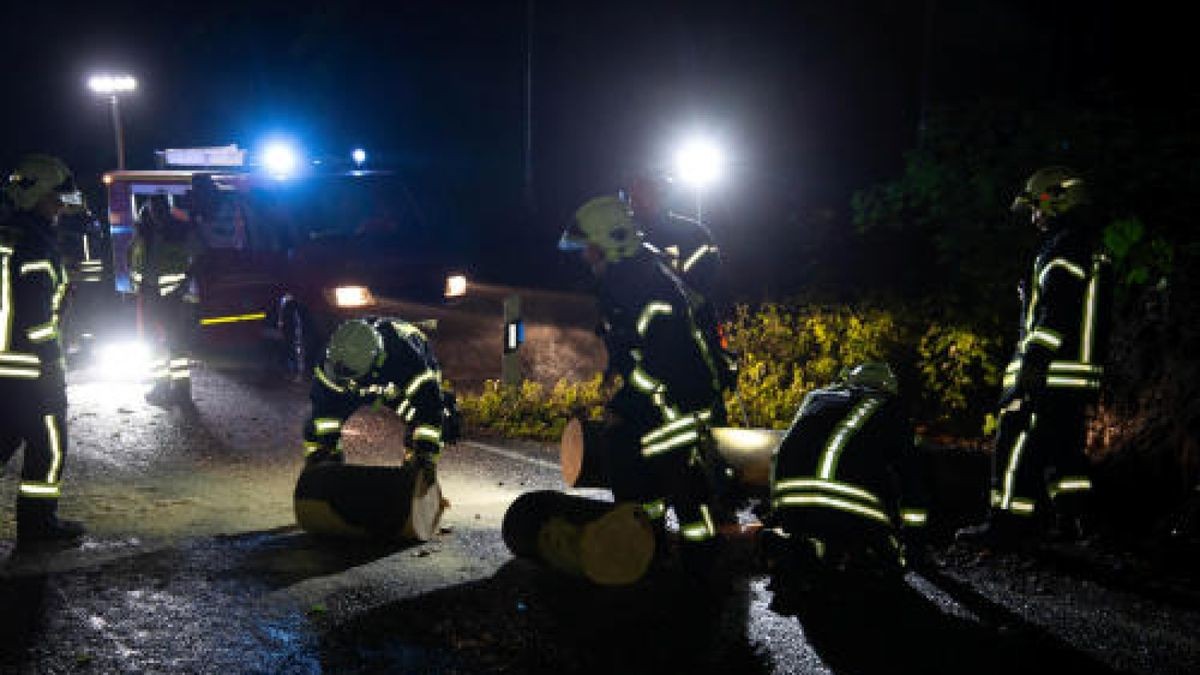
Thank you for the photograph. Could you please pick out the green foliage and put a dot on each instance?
(1137, 258)
(957, 369)
(530, 410)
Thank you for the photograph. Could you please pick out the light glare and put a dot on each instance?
(112, 84)
(699, 163)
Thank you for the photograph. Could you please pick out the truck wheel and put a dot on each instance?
(297, 342)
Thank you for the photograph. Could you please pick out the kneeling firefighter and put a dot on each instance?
(844, 489)
(379, 361)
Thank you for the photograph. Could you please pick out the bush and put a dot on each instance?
(530, 410)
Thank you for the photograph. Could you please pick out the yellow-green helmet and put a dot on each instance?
(607, 223)
(875, 375)
(355, 349)
(1052, 191)
(37, 176)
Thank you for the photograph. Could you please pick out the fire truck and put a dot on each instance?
(288, 252)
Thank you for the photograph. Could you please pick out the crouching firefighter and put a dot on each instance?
(845, 490)
(160, 264)
(32, 380)
(386, 362)
(657, 424)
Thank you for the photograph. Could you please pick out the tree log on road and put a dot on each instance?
(368, 501)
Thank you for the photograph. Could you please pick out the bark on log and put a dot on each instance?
(368, 501)
(608, 544)
(583, 454)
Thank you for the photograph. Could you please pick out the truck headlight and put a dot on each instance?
(353, 296)
(456, 285)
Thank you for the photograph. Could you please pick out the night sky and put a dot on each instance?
(811, 99)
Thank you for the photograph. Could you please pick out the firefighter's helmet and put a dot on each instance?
(606, 223)
(875, 375)
(355, 349)
(1051, 192)
(38, 176)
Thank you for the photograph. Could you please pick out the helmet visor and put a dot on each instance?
(573, 239)
(68, 192)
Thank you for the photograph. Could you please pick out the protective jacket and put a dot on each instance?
(847, 463)
(163, 260)
(33, 283)
(407, 379)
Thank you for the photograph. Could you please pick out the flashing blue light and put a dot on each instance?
(280, 159)
(359, 156)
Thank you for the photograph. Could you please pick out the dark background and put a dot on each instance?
(812, 100)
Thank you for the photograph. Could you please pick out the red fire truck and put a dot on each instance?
(286, 257)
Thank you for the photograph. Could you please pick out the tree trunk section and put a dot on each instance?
(382, 502)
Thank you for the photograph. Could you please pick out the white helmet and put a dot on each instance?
(355, 349)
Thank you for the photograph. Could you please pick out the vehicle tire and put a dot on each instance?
(297, 345)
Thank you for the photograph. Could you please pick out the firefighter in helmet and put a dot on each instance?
(161, 259)
(33, 282)
(657, 423)
(845, 486)
(380, 361)
(1040, 480)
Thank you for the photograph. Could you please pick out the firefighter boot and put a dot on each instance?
(181, 392)
(37, 523)
(160, 394)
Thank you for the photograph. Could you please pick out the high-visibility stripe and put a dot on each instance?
(43, 266)
(641, 380)
(6, 301)
(1075, 367)
(1087, 335)
(403, 408)
(651, 310)
(701, 530)
(310, 447)
(832, 503)
(678, 425)
(1010, 472)
(324, 379)
(842, 433)
(1044, 337)
(22, 373)
(697, 255)
(20, 358)
(809, 484)
(1072, 484)
(655, 509)
(39, 490)
(1021, 507)
(1071, 382)
(1069, 266)
(425, 432)
(326, 425)
(416, 382)
(55, 442)
(214, 320)
(671, 443)
(914, 517)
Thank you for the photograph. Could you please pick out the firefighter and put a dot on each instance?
(657, 423)
(160, 263)
(380, 361)
(1040, 483)
(845, 486)
(82, 243)
(689, 247)
(33, 282)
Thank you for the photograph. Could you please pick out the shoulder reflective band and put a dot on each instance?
(327, 425)
(651, 310)
(6, 300)
(425, 432)
(1069, 266)
(235, 318)
(416, 382)
(41, 266)
(913, 517)
(39, 490)
(832, 503)
(697, 255)
(1045, 337)
(842, 433)
(701, 530)
(406, 329)
(816, 484)
(1070, 484)
(655, 509)
(324, 379)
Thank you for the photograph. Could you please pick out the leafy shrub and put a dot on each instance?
(529, 410)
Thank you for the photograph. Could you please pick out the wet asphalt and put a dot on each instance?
(193, 564)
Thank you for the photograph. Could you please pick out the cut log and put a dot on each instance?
(608, 544)
(368, 501)
(583, 454)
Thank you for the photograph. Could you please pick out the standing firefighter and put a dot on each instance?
(379, 362)
(692, 253)
(658, 421)
(1039, 469)
(844, 482)
(32, 382)
(160, 263)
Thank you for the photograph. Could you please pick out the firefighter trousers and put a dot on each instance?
(35, 416)
(1039, 463)
(170, 320)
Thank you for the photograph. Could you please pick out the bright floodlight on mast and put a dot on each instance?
(113, 86)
